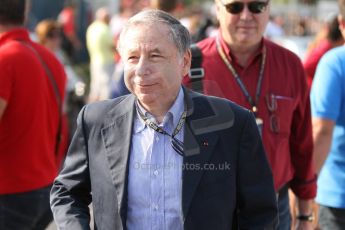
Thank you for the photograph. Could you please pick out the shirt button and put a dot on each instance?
(154, 207)
(157, 139)
(156, 172)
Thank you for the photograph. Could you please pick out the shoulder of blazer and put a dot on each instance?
(98, 112)
(215, 114)
(204, 104)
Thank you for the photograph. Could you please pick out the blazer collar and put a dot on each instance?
(200, 139)
(116, 135)
(199, 143)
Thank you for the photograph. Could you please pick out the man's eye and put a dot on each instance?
(132, 58)
(156, 56)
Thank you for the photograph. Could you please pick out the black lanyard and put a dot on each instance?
(156, 128)
(238, 79)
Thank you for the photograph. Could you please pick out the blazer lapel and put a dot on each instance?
(117, 139)
(198, 150)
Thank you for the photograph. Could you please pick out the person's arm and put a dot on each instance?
(71, 191)
(257, 206)
(326, 103)
(303, 183)
(3, 105)
(305, 208)
(322, 136)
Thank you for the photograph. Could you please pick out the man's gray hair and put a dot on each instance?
(178, 33)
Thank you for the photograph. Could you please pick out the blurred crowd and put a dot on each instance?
(103, 78)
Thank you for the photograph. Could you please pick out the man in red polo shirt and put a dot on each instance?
(29, 116)
(240, 65)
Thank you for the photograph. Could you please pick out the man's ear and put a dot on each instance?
(341, 22)
(187, 58)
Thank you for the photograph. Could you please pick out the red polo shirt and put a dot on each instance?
(67, 19)
(313, 58)
(289, 150)
(29, 124)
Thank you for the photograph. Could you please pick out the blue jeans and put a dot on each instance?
(25, 211)
(284, 212)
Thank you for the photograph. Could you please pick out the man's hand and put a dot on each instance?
(305, 207)
(3, 105)
(304, 225)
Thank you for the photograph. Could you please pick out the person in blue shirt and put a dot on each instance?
(328, 111)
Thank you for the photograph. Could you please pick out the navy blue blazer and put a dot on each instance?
(218, 134)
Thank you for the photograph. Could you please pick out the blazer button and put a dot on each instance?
(204, 143)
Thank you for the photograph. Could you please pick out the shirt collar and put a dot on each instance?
(14, 34)
(227, 50)
(173, 113)
(177, 108)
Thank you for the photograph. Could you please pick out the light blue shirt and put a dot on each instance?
(328, 102)
(155, 174)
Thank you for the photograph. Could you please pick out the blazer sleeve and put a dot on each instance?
(71, 190)
(257, 206)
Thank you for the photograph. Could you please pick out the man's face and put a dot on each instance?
(152, 64)
(244, 28)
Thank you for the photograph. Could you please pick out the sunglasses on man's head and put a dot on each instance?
(255, 7)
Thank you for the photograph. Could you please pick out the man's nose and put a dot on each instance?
(143, 67)
(245, 14)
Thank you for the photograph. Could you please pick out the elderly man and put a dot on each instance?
(240, 65)
(164, 157)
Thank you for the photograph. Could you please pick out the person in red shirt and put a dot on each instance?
(29, 117)
(66, 18)
(240, 65)
(328, 38)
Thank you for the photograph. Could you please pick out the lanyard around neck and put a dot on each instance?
(238, 79)
(158, 129)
